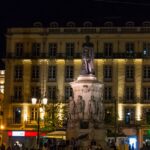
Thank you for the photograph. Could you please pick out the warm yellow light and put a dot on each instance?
(42, 113)
(138, 112)
(120, 111)
(25, 116)
(2, 127)
(2, 72)
(61, 61)
(26, 61)
(43, 61)
(60, 112)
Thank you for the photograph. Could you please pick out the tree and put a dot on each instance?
(55, 116)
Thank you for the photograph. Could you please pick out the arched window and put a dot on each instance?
(37, 24)
(108, 24)
(70, 24)
(130, 24)
(54, 25)
(87, 24)
(146, 24)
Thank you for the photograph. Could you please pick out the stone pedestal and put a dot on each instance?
(86, 110)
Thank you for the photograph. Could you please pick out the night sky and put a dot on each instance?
(25, 12)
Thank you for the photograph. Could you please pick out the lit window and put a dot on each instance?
(52, 49)
(52, 73)
(52, 90)
(68, 92)
(35, 76)
(108, 49)
(107, 73)
(129, 73)
(129, 116)
(36, 47)
(19, 49)
(70, 47)
(69, 73)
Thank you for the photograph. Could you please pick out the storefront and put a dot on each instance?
(24, 138)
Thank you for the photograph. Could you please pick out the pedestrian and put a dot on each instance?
(99, 147)
(2, 147)
(9, 148)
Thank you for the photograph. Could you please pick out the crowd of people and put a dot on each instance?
(53, 144)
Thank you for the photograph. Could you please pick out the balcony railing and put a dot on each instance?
(77, 56)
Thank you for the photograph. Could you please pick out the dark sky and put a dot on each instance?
(25, 12)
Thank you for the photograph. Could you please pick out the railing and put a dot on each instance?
(77, 56)
(78, 30)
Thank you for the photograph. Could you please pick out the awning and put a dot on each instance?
(56, 135)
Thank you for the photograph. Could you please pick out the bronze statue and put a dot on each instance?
(87, 57)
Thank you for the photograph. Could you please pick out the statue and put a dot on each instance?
(80, 106)
(100, 110)
(87, 57)
(71, 108)
(92, 108)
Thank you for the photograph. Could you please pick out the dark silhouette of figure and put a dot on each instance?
(87, 57)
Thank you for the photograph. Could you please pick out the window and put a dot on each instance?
(146, 73)
(70, 24)
(18, 92)
(146, 93)
(19, 49)
(52, 73)
(108, 115)
(129, 94)
(69, 73)
(107, 73)
(35, 76)
(36, 49)
(17, 115)
(129, 47)
(52, 49)
(34, 114)
(146, 49)
(129, 116)
(129, 73)
(107, 94)
(18, 73)
(35, 92)
(108, 49)
(70, 47)
(52, 92)
(87, 24)
(68, 92)
(146, 115)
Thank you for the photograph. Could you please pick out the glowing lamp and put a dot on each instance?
(44, 100)
(34, 101)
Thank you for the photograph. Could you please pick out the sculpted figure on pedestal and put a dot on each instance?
(92, 108)
(100, 110)
(80, 106)
(72, 106)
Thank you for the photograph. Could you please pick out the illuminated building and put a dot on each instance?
(39, 59)
(2, 82)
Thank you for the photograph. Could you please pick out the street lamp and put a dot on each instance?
(40, 103)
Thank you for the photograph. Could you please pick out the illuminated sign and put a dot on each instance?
(18, 133)
(24, 133)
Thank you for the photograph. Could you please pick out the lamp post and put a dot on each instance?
(40, 102)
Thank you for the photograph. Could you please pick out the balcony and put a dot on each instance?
(98, 55)
(15, 99)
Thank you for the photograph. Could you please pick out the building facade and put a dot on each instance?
(2, 83)
(43, 60)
